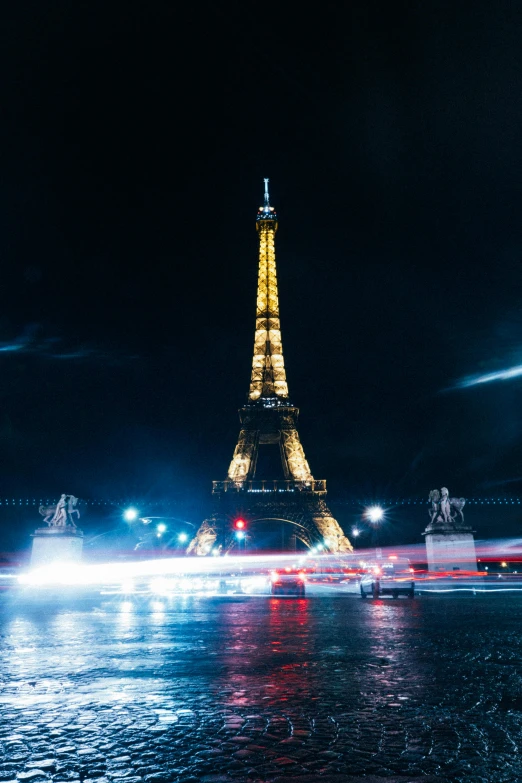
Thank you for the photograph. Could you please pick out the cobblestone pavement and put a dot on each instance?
(259, 689)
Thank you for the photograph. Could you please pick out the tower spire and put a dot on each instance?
(267, 197)
(268, 380)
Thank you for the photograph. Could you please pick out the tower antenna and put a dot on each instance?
(267, 198)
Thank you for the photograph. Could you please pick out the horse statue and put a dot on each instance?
(71, 509)
(433, 498)
(61, 515)
(458, 504)
(442, 506)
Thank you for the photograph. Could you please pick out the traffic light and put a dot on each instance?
(240, 529)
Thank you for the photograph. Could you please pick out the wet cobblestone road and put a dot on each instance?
(260, 689)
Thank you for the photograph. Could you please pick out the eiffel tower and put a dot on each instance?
(269, 417)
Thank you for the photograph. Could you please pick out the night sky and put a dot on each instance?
(134, 140)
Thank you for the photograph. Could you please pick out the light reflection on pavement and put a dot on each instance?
(215, 689)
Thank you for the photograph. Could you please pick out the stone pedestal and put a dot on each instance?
(450, 548)
(56, 545)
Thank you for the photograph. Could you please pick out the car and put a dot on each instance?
(288, 581)
(394, 578)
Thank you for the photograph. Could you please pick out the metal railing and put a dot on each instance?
(314, 485)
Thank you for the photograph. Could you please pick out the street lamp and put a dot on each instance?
(130, 514)
(161, 527)
(374, 514)
(182, 538)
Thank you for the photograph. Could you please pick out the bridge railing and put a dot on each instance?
(314, 485)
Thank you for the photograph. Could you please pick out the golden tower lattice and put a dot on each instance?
(269, 418)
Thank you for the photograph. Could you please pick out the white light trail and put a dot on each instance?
(124, 573)
(127, 575)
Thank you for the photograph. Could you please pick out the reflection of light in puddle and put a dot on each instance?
(126, 615)
(165, 716)
(21, 633)
(65, 625)
(25, 657)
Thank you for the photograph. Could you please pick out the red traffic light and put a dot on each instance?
(240, 524)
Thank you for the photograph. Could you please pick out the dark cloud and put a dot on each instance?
(34, 342)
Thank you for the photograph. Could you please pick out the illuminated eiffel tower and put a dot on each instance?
(269, 418)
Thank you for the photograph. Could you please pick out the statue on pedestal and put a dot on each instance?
(61, 541)
(61, 515)
(442, 505)
(450, 545)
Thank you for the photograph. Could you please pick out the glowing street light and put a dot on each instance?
(374, 514)
(240, 534)
(130, 514)
(355, 532)
(161, 527)
(182, 538)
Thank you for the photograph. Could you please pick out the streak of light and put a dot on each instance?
(186, 568)
(80, 574)
(469, 590)
(500, 375)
